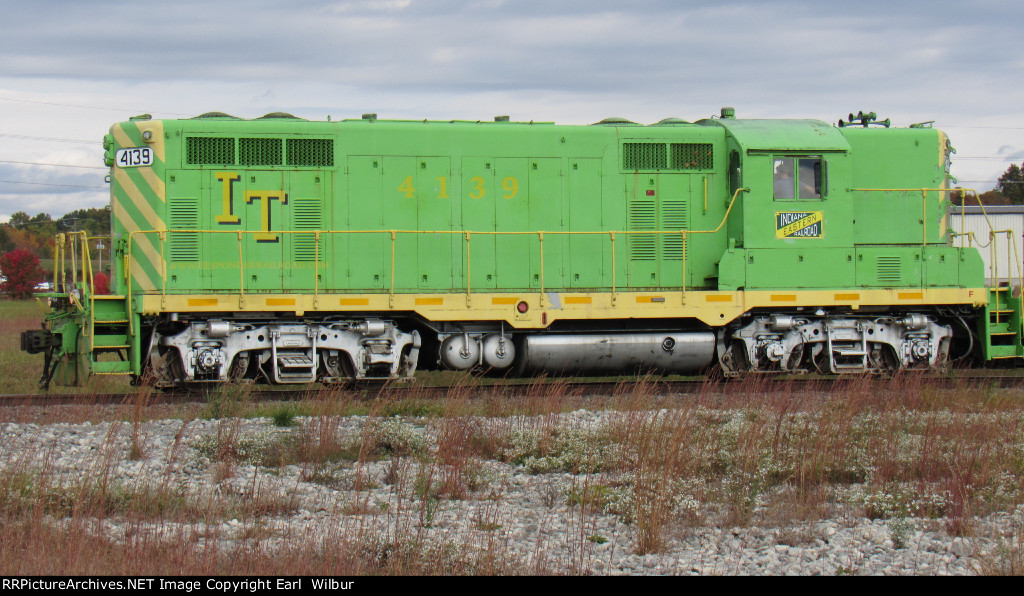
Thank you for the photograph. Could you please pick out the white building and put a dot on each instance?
(998, 233)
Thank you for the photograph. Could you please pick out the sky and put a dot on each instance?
(71, 69)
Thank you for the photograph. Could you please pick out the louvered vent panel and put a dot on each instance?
(310, 152)
(307, 215)
(218, 151)
(259, 152)
(184, 215)
(673, 217)
(642, 216)
(644, 156)
(692, 156)
(889, 270)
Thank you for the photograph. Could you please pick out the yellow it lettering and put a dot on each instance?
(227, 180)
(265, 196)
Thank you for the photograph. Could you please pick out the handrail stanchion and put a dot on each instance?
(241, 271)
(540, 235)
(924, 216)
(468, 272)
(683, 284)
(316, 270)
(163, 277)
(128, 279)
(614, 293)
(74, 262)
(391, 296)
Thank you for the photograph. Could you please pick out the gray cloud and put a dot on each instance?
(574, 62)
(515, 45)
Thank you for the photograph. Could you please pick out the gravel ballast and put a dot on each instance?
(526, 515)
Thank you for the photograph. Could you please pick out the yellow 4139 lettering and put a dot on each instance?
(477, 187)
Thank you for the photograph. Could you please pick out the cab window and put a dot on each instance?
(734, 172)
(798, 177)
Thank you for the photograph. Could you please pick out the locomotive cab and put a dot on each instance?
(850, 245)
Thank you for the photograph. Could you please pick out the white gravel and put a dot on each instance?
(527, 517)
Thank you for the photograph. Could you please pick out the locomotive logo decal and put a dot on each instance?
(227, 180)
(799, 224)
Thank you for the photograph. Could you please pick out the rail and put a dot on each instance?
(394, 235)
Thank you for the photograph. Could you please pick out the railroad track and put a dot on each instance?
(522, 388)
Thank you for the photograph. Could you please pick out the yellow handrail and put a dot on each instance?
(241, 273)
(468, 276)
(613, 268)
(316, 270)
(70, 250)
(993, 262)
(540, 240)
(393, 234)
(1015, 259)
(924, 202)
(391, 295)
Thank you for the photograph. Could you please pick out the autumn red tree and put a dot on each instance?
(100, 283)
(21, 268)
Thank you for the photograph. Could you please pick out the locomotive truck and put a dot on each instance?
(281, 250)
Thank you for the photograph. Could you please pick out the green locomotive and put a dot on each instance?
(288, 251)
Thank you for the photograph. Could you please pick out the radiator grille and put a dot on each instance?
(256, 151)
(692, 156)
(259, 152)
(680, 157)
(644, 156)
(310, 152)
(210, 150)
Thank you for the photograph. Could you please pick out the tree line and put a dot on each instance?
(24, 240)
(36, 234)
(1009, 190)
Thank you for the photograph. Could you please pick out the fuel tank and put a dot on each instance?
(679, 353)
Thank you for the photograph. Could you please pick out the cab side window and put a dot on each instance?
(735, 177)
(798, 178)
(785, 179)
(809, 178)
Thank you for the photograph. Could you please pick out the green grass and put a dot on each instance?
(20, 371)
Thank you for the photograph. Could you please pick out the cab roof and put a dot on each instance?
(785, 135)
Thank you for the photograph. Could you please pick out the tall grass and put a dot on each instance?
(20, 371)
(390, 470)
(891, 450)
